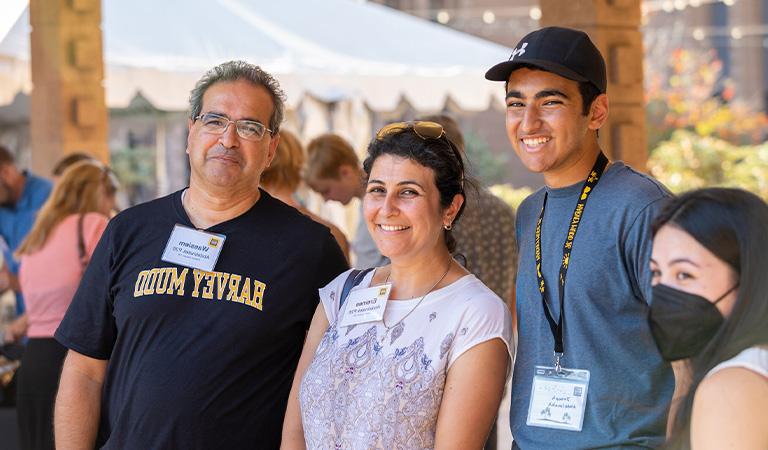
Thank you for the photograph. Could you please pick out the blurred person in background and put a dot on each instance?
(283, 176)
(67, 161)
(21, 196)
(333, 171)
(710, 304)
(486, 234)
(429, 371)
(53, 257)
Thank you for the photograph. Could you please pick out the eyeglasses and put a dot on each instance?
(424, 130)
(247, 129)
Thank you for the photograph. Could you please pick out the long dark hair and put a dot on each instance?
(733, 225)
(440, 155)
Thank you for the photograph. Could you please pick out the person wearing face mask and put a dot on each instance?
(710, 306)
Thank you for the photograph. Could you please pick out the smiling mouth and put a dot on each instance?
(535, 141)
(393, 227)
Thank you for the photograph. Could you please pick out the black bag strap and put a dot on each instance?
(353, 279)
(81, 253)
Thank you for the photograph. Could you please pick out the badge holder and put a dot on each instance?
(558, 397)
(193, 248)
(365, 305)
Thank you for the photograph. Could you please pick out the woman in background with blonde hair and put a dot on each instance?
(53, 258)
(283, 176)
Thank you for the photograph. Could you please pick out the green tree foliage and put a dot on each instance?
(135, 167)
(689, 92)
(488, 167)
(697, 134)
(511, 196)
(689, 161)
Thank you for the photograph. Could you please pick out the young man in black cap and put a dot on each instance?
(588, 373)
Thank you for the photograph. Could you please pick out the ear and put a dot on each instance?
(190, 122)
(272, 150)
(346, 171)
(449, 214)
(6, 171)
(598, 112)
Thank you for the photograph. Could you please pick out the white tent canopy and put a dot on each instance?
(331, 49)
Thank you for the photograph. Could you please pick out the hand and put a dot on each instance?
(8, 280)
(5, 279)
(16, 329)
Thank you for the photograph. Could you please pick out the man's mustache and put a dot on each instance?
(220, 151)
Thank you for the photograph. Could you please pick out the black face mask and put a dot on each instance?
(682, 324)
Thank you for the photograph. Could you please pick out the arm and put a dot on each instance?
(8, 280)
(17, 329)
(293, 430)
(729, 411)
(78, 402)
(682, 384)
(473, 391)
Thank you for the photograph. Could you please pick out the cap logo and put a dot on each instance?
(518, 51)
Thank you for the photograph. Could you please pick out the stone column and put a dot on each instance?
(614, 26)
(745, 19)
(68, 111)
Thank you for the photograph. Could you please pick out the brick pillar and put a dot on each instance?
(747, 53)
(68, 111)
(614, 26)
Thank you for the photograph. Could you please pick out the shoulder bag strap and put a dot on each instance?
(353, 279)
(82, 254)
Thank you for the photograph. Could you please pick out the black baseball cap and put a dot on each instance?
(563, 51)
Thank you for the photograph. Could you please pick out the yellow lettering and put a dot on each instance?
(221, 283)
(208, 288)
(199, 274)
(162, 280)
(177, 281)
(258, 294)
(149, 287)
(245, 294)
(234, 284)
(138, 289)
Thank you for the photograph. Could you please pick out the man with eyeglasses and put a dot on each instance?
(188, 324)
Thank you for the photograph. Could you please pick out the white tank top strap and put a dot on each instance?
(753, 358)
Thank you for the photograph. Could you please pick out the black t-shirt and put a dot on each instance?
(199, 360)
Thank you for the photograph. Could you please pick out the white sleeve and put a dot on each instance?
(485, 318)
(329, 296)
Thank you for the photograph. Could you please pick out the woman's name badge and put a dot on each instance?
(558, 398)
(193, 248)
(365, 305)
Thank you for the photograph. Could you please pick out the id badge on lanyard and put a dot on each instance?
(558, 398)
(558, 394)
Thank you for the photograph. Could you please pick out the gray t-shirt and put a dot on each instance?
(607, 290)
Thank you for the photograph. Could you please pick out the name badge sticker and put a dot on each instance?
(558, 399)
(193, 248)
(365, 305)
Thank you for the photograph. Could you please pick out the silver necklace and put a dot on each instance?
(387, 328)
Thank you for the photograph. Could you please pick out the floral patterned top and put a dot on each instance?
(368, 388)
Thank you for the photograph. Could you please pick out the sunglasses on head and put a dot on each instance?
(424, 130)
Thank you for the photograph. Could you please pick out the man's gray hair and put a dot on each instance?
(234, 71)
